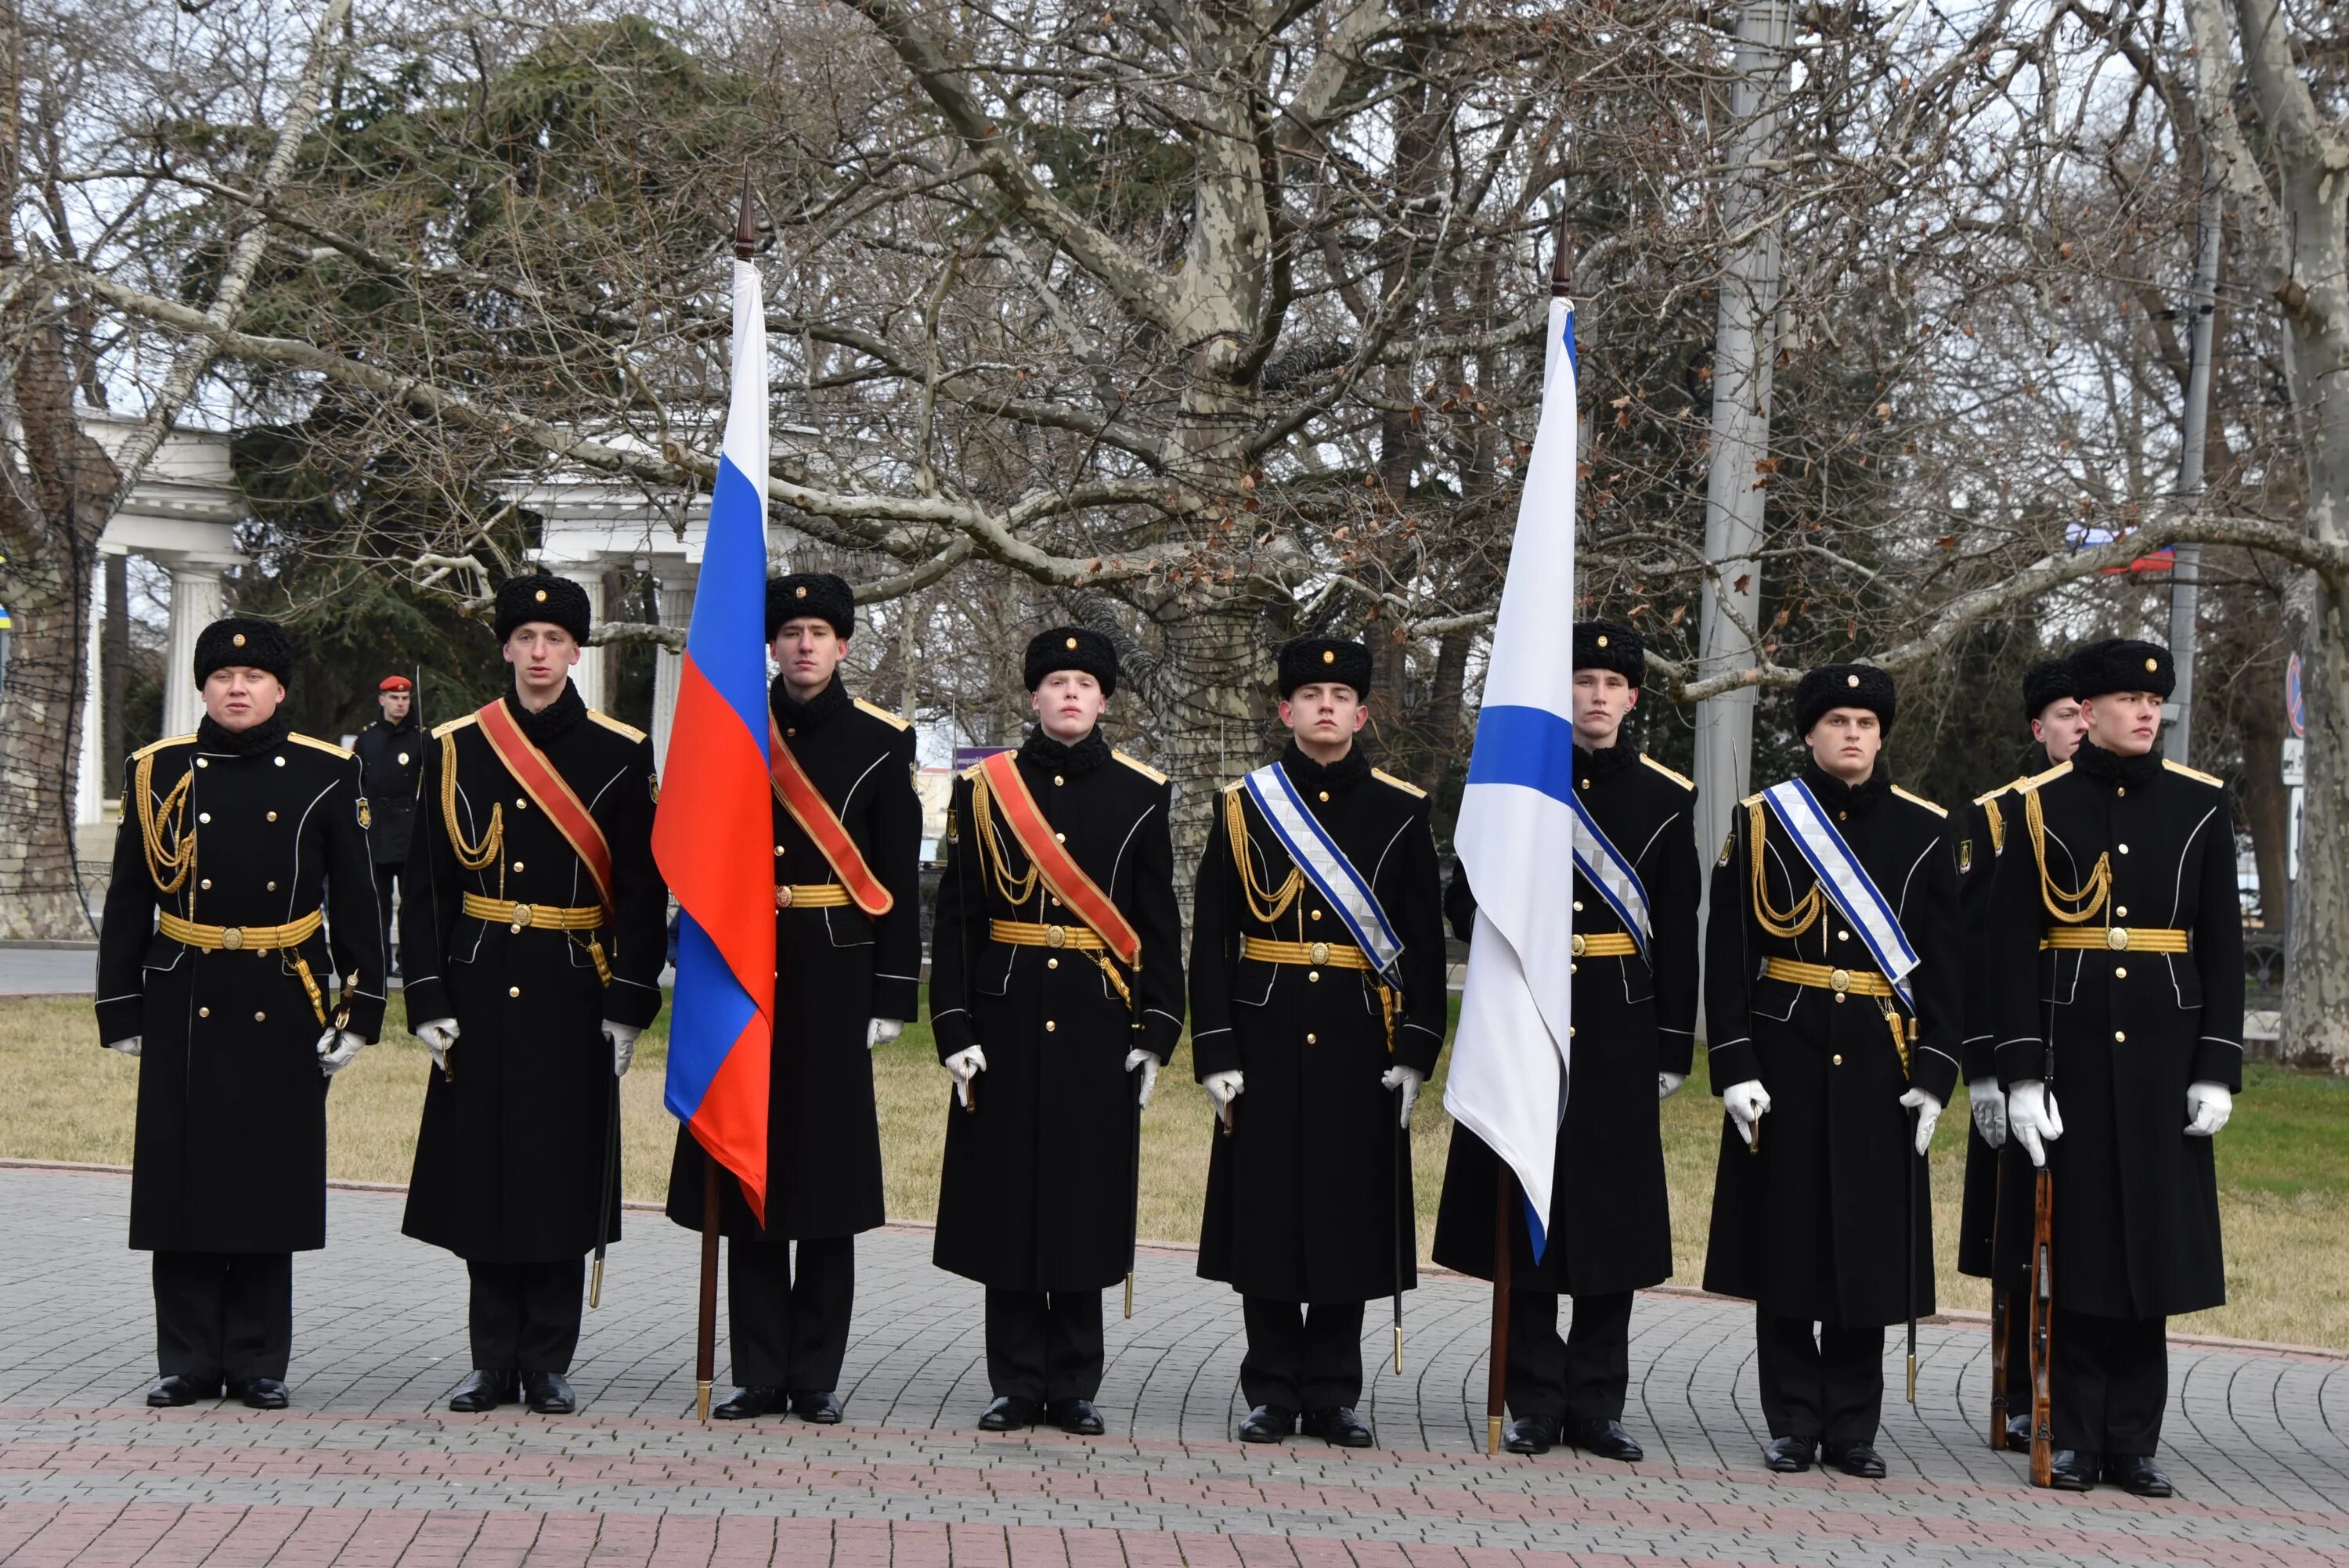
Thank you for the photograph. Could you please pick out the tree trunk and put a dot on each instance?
(2266, 806)
(2315, 1029)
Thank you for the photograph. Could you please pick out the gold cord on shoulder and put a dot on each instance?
(168, 866)
(473, 857)
(1792, 922)
(1015, 891)
(1997, 821)
(1265, 905)
(2087, 904)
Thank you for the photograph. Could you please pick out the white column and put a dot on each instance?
(90, 784)
(196, 602)
(587, 675)
(676, 610)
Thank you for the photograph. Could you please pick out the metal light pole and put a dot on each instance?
(2186, 571)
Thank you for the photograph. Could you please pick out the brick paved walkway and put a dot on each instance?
(367, 1469)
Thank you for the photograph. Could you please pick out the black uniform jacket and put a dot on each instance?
(1998, 1180)
(510, 1158)
(1037, 1189)
(2136, 1202)
(229, 1154)
(1303, 1196)
(393, 758)
(836, 969)
(1811, 1226)
(1610, 1223)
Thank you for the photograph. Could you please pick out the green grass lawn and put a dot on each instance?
(2284, 1161)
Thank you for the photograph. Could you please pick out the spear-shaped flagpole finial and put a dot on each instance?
(746, 226)
(1561, 266)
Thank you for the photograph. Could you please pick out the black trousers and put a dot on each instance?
(223, 1317)
(525, 1316)
(1580, 1377)
(1302, 1358)
(790, 1331)
(1829, 1388)
(1044, 1347)
(385, 875)
(2109, 1382)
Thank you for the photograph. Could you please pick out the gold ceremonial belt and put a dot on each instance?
(1821, 978)
(2115, 939)
(1605, 945)
(1029, 933)
(1321, 954)
(810, 895)
(236, 938)
(537, 916)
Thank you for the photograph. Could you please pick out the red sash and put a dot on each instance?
(545, 786)
(1061, 874)
(819, 822)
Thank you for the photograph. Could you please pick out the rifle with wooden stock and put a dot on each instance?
(2043, 1307)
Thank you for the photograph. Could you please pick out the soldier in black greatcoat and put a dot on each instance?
(2117, 951)
(845, 981)
(391, 754)
(1998, 1173)
(1609, 1231)
(1808, 1218)
(1053, 1040)
(533, 965)
(212, 970)
(1314, 1051)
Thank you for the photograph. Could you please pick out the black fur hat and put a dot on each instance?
(817, 593)
(1309, 659)
(2120, 663)
(1071, 648)
(1606, 645)
(244, 640)
(2046, 681)
(1843, 686)
(542, 596)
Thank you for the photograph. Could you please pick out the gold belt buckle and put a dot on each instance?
(1838, 980)
(1319, 952)
(782, 895)
(2116, 937)
(1056, 936)
(232, 937)
(520, 917)
(1577, 944)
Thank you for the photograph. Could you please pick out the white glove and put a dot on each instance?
(965, 1066)
(1746, 1103)
(1408, 1080)
(2033, 1118)
(881, 1031)
(1990, 1110)
(336, 1049)
(437, 1035)
(622, 1038)
(1669, 1084)
(1223, 1088)
(1929, 1113)
(1149, 1066)
(128, 1046)
(2208, 1106)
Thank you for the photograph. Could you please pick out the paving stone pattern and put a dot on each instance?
(369, 1468)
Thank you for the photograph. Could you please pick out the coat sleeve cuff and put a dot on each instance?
(1732, 1061)
(119, 1017)
(625, 1002)
(1158, 1033)
(427, 999)
(1675, 1050)
(2020, 1059)
(1417, 1046)
(2218, 1061)
(897, 997)
(1216, 1051)
(1977, 1057)
(1934, 1070)
(952, 1031)
(366, 1017)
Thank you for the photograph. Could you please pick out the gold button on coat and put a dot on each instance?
(1838, 1058)
(260, 1018)
(2120, 972)
(2120, 1036)
(1049, 1026)
(273, 816)
(513, 990)
(1312, 1039)
(204, 1012)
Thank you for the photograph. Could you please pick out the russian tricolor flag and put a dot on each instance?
(713, 834)
(1510, 1059)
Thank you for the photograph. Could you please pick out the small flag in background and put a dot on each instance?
(1510, 1061)
(713, 832)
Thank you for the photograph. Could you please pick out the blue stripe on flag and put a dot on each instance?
(1572, 364)
(709, 1004)
(1531, 747)
(730, 603)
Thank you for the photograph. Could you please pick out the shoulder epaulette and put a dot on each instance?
(298, 738)
(972, 771)
(2025, 786)
(1682, 780)
(614, 726)
(1227, 789)
(1753, 799)
(883, 713)
(1987, 795)
(455, 725)
(1920, 801)
(153, 746)
(1144, 768)
(2194, 773)
(1405, 784)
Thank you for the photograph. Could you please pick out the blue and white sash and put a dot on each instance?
(1603, 866)
(1325, 865)
(1847, 882)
